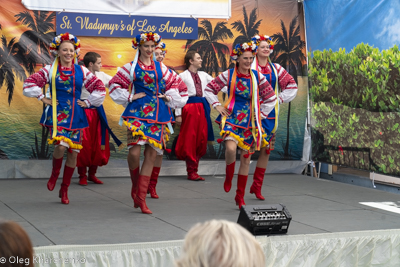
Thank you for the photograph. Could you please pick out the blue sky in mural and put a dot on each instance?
(346, 23)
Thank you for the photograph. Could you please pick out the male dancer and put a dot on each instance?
(96, 148)
(194, 117)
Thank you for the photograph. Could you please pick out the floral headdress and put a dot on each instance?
(145, 37)
(55, 44)
(241, 48)
(162, 46)
(257, 39)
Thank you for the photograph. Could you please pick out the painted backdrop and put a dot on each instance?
(23, 50)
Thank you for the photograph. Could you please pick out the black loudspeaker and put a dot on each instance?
(265, 219)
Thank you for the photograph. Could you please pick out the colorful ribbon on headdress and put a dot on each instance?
(255, 66)
(131, 86)
(53, 73)
(255, 102)
(231, 100)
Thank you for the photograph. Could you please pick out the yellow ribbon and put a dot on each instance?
(228, 104)
(54, 97)
(223, 122)
(255, 108)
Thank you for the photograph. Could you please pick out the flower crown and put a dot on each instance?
(257, 39)
(241, 48)
(55, 44)
(145, 37)
(162, 46)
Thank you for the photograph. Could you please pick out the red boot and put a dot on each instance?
(82, 175)
(140, 199)
(57, 163)
(134, 178)
(258, 179)
(92, 176)
(191, 168)
(68, 172)
(230, 170)
(241, 187)
(196, 169)
(153, 182)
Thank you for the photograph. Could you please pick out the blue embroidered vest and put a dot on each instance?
(241, 113)
(69, 114)
(149, 108)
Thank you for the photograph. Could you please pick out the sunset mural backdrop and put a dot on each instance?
(19, 115)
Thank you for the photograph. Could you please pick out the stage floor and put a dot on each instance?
(104, 214)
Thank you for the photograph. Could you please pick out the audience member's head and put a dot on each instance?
(15, 245)
(219, 243)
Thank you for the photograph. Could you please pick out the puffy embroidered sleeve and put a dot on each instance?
(214, 87)
(175, 88)
(33, 84)
(183, 76)
(95, 87)
(119, 85)
(104, 77)
(209, 78)
(287, 85)
(267, 95)
(178, 111)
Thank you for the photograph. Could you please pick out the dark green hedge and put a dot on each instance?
(356, 108)
(363, 78)
(358, 129)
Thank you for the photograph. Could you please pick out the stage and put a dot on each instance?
(104, 214)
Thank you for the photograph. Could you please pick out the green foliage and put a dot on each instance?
(363, 78)
(371, 140)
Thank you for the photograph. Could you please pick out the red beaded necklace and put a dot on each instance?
(64, 76)
(150, 67)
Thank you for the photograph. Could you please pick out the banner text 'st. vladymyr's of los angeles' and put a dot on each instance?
(102, 25)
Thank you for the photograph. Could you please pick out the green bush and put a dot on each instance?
(358, 129)
(355, 108)
(364, 78)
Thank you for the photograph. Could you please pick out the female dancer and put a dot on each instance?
(250, 97)
(278, 77)
(65, 80)
(155, 89)
(159, 53)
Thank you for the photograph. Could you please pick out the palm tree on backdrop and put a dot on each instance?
(288, 52)
(247, 29)
(35, 42)
(11, 62)
(9, 68)
(213, 53)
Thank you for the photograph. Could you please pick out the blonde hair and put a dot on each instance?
(218, 243)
